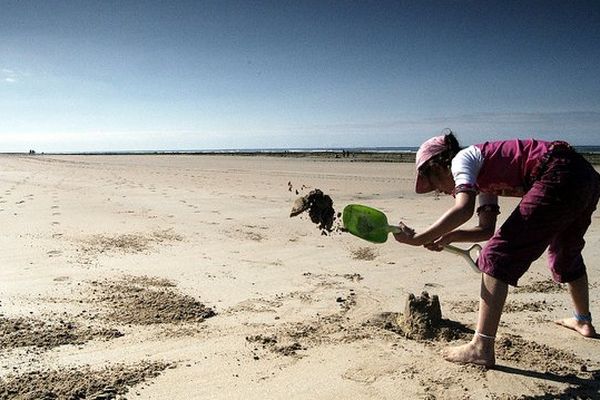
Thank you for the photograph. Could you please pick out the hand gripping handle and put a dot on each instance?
(466, 254)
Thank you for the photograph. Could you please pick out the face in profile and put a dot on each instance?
(439, 178)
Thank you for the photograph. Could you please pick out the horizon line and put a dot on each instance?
(275, 150)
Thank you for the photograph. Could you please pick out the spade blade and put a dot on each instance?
(366, 222)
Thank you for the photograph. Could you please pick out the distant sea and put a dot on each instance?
(581, 149)
(587, 149)
(319, 150)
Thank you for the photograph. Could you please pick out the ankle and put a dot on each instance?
(483, 342)
(583, 318)
(484, 336)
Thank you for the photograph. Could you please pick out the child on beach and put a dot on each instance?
(559, 191)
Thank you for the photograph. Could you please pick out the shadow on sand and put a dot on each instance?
(581, 388)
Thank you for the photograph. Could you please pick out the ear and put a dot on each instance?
(439, 169)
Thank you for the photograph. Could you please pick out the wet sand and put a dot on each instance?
(183, 277)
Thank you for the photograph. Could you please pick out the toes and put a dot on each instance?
(584, 329)
(561, 323)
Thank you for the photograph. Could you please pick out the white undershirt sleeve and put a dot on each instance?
(465, 169)
(466, 165)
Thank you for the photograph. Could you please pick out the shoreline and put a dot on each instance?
(325, 155)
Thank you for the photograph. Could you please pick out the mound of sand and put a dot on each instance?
(24, 332)
(78, 383)
(146, 301)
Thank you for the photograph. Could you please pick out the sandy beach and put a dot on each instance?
(183, 277)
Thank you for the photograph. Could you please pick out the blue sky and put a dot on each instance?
(132, 75)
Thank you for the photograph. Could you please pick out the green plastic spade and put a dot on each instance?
(371, 224)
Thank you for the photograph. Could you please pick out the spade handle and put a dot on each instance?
(466, 254)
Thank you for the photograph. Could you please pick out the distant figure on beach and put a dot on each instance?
(559, 191)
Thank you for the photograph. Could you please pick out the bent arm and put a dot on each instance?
(460, 213)
(483, 231)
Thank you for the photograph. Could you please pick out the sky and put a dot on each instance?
(182, 75)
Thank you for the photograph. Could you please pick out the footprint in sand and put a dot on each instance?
(370, 373)
(55, 213)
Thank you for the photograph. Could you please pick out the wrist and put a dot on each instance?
(417, 240)
(450, 237)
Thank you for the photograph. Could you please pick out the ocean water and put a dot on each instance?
(405, 149)
(587, 149)
(401, 149)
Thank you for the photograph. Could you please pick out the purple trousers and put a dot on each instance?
(554, 214)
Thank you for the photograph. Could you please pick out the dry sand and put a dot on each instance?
(183, 277)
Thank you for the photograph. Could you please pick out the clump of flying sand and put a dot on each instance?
(320, 210)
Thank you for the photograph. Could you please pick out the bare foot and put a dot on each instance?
(474, 352)
(584, 328)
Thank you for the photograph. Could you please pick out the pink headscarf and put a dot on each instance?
(428, 149)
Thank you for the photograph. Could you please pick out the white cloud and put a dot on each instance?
(10, 75)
